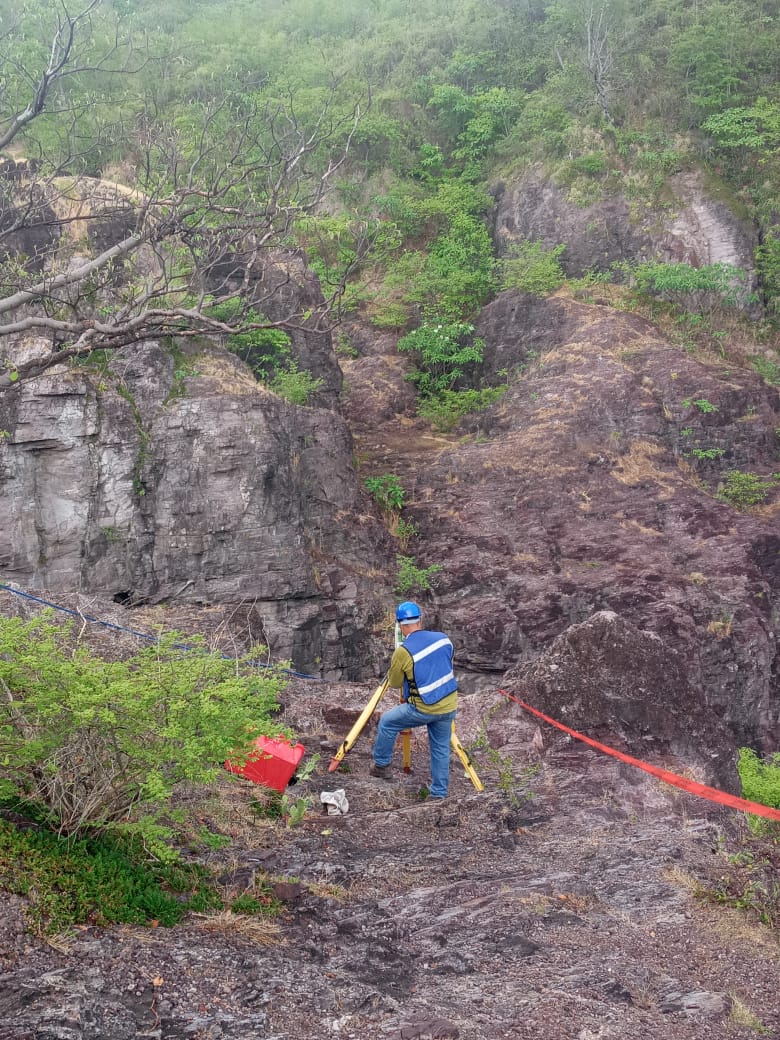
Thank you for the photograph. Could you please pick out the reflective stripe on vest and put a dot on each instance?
(431, 654)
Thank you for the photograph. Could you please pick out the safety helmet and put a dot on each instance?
(407, 613)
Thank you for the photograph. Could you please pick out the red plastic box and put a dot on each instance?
(272, 764)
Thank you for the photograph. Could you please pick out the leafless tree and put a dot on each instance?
(190, 241)
(594, 49)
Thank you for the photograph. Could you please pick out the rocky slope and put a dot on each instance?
(588, 563)
(590, 487)
(686, 225)
(594, 484)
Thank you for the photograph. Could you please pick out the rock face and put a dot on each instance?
(696, 229)
(606, 675)
(213, 491)
(593, 485)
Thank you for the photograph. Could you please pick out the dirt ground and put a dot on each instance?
(562, 902)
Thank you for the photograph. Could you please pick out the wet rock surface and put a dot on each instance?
(559, 903)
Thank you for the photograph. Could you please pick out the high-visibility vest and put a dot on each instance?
(431, 654)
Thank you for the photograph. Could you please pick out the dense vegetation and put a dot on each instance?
(608, 95)
(454, 95)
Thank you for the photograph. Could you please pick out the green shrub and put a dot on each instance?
(534, 269)
(262, 349)
(745, 489)
(295, 385)
(95, 741)
(412, 578)
(705, 407)
(768, 369)
(591, 165)
(446, 410)
(443, 352)
(387, 491)
(98, 879)
(760, 777)
(702, 287)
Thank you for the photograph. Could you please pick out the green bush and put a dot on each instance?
(591, 165)
(262, 349)
(534, 269)
(447, 409)
(294, 384)
(412, 578)
(96, 879)
(760, 777)
(443, 352)
(745, 489)
(387, 491)
(768, 369)
(699, 287)
(96, 741)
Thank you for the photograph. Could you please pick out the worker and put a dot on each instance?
(422, 669)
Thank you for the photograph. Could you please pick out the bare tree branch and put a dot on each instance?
(194, 231)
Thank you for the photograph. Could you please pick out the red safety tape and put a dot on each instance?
(702, 790)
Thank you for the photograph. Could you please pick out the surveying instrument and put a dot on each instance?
(406, 735)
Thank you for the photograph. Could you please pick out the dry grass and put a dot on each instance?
(637, 466)
(634, 525)
(735, 926)
(741, 1015)
(257, 930)
(697, 578)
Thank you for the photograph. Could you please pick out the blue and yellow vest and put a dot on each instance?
(431, 654)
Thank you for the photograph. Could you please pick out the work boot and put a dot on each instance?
(383, 772)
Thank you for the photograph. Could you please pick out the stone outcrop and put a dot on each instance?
(147, 485)
(695, 228)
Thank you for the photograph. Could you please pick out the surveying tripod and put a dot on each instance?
(349, 741)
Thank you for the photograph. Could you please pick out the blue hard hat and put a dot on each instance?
(407, 611)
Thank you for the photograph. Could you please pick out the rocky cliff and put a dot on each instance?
(147, 485)
(596, 485)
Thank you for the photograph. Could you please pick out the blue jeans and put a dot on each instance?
(406, 716)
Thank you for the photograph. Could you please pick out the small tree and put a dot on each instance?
(95, 741)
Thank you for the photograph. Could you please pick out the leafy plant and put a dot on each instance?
(704, 406)
(703, 285)
(405, 530)
(760, 777)
(95, 741)
(443, 353)
(445, 410)
(294, 384)
(745, 489)
(768, 369)
(534, 269)
(99, 879)
(387, 491)
(412, 578)
(707, 453)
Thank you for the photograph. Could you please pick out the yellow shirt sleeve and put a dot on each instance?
(401, 667)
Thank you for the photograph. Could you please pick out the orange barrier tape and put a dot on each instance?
(701, 790)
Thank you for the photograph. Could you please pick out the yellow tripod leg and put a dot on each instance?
(463, 755)
(406, 749)
(357, 729)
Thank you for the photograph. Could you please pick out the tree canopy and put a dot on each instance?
(224, 122)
